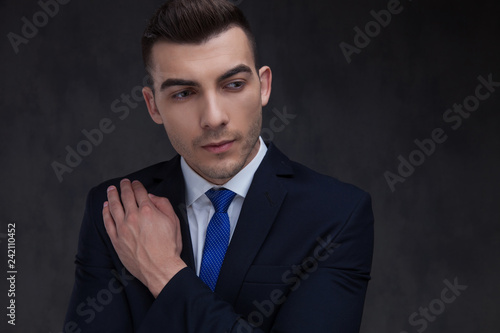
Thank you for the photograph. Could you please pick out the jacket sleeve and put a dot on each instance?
(98, 302)
(328, 296)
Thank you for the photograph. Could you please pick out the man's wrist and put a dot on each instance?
(172, 268)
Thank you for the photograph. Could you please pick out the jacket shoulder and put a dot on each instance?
(148, 176)
(324, 185)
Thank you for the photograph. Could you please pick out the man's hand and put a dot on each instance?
(145, 233)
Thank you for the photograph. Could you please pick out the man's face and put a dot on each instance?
(209, 97)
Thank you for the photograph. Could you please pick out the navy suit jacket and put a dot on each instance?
(299, 261)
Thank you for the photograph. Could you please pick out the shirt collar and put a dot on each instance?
(196, 185)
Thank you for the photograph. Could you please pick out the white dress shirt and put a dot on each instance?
(199, 207)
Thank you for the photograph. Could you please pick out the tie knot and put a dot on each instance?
(221, 199)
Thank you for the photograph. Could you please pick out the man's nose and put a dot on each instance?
(213, 114)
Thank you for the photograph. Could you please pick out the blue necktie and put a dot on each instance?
(217, 238)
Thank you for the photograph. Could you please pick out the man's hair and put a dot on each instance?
(193, 22)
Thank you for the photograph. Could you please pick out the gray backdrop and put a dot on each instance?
(356, 118)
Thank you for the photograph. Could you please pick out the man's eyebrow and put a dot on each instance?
(233, 71)
(177, 82)
(181, 82)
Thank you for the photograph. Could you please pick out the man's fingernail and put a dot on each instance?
(111, 188)
(124, 180)
(105, 204)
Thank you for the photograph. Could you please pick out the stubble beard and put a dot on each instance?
(223, 171)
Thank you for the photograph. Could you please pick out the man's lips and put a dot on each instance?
(219, 147)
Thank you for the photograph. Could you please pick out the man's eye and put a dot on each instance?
(235, 85)
(182, 94)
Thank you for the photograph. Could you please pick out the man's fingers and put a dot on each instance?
(115, 205)
(127, 195)
(141, 195)
(109, 223)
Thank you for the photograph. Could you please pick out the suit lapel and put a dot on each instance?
(259, 210)
(171, 186)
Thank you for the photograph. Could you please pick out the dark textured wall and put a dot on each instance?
(353, 121)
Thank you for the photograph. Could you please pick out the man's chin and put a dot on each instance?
(220, 168)
(221, 172)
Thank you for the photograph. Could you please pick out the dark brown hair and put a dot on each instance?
(193, 22)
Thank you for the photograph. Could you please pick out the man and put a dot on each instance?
(230, 235)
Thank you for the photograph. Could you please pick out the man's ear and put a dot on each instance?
(266, 80)
(149, 97)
